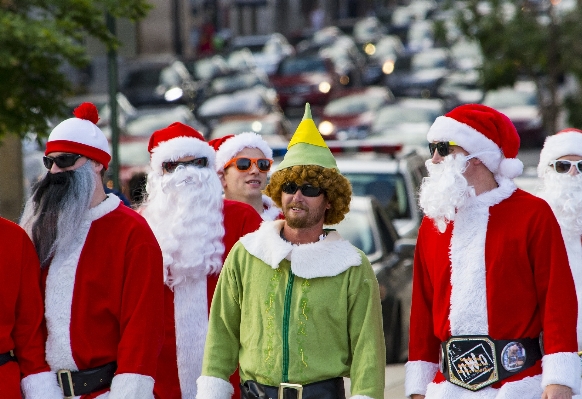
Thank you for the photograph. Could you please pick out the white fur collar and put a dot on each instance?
(271, 211)
(108, 205)
(326, 258)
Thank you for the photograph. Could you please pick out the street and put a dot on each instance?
(394, 388)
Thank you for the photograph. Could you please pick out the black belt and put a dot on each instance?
(76, 383)
(477, 361)
(327, 389)
(7, 357)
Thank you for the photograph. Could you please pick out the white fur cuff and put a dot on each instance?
(563, 369)
(132, 386)
(41, 386)
(213, 388)
(418, 375)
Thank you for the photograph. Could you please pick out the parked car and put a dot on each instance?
(381, 58)
(421, 74)
(274, 127)
(267, 50)
(208, 68)
(159, 82)
(350, 115)
(236, 81)
(521, 105)
(369, 229)
(305, 77)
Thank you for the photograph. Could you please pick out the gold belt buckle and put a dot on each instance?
(69, 379)
(297, 387)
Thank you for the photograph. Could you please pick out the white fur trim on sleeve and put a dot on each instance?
(236, 144)
(562, 368)
(180, 147)
(41, 386)
(213, 388)
(558, 145)
(132, 386)
(418, 375)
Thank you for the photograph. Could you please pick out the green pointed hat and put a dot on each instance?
(307, 147)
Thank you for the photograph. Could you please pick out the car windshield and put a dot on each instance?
(264, 128)
(357, 230)
(153, 77)
(509, 98)
(296, 66)
(355, 104)
(134, 154)
(389, 190)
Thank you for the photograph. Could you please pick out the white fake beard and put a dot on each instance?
(444, 190)
(562, 192)
(184, 210)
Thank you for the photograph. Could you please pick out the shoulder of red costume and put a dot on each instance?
(232, 206)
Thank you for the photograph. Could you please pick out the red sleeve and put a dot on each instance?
(27, 334)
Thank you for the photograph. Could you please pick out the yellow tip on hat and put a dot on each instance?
(307, 146)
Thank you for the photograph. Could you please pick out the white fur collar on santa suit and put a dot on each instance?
(270, 212)
(306, 259)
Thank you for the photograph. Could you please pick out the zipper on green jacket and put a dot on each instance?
(286, 313)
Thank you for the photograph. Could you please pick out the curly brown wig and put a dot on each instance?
(338, 189)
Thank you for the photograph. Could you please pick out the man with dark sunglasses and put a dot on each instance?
(243, 162)
(560, 169)
(297, 307)
(493, 299)
(101, 270)
(196, 229)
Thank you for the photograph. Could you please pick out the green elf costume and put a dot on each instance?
(295, 315)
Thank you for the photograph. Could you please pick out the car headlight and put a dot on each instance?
(370, 49)
(324, 87)
(326, 128)
(388, 67)
(173, 94)
(344, 80)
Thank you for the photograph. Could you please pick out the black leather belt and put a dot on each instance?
(7, 357)
(327, 389)
(76, 383)
(477, 361)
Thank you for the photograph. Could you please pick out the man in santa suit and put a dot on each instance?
(185, 209)
(490, 273)
(560, 170)
(21, 315)
(242, 163)
(101, 268)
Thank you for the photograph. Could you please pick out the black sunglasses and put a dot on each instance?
(306, 189)
(443, 148)
(242, 164)
(564, 166)
(171, 166)
(62, 161)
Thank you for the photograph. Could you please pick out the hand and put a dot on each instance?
(416, 396)
(555, 391)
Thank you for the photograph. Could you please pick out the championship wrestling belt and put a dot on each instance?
(477, 361)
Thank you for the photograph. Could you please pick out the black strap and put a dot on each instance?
(7, 357)
(86, 381)
(326, 389)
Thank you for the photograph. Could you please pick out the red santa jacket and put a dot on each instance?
(501, 269)
(239, 219)
(104, 300)
(21, 318)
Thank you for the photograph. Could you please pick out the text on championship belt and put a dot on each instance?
(471, 362)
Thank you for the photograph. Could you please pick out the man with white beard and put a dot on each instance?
(490, 273)
(185, 209)
(561, 172)
(100, 267)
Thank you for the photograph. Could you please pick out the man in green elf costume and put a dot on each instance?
(297, 307)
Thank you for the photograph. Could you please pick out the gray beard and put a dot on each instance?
(55, 208)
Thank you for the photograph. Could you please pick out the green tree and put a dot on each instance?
(36, 38)
(524, 38)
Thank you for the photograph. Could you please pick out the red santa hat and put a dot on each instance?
(482, 131)
(80, 135)
(228, 146)
(177, 141)
(565, 142)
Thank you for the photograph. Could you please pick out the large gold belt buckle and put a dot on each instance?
(297, 387)
(472, 362)
(69, 379)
